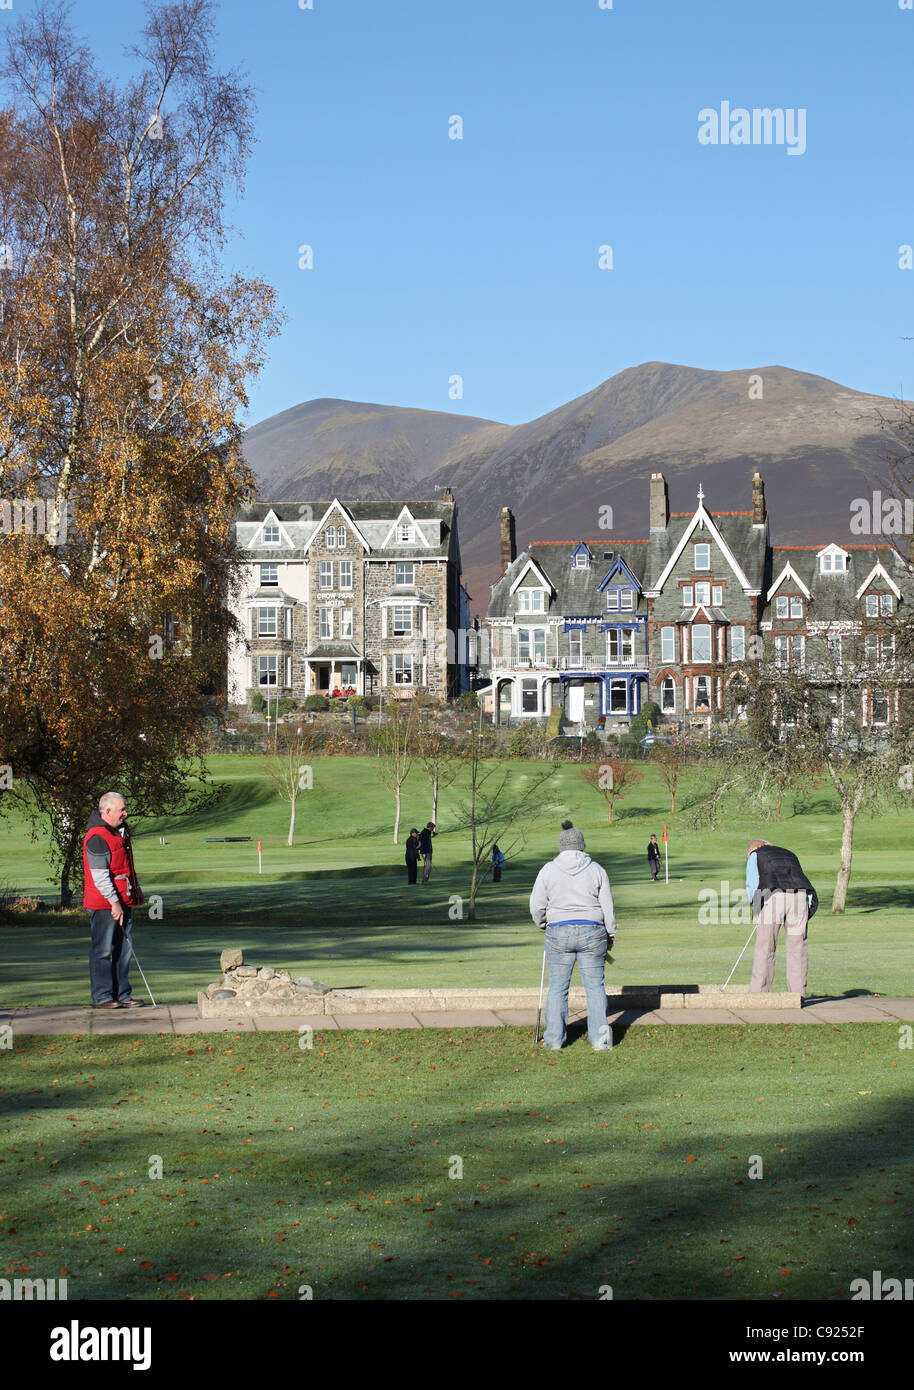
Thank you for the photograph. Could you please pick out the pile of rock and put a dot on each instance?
(261, 988)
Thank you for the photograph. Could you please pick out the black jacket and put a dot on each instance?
(780, 871)
(412, 849)
(425, 841)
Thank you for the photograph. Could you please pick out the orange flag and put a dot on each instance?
(663, 841)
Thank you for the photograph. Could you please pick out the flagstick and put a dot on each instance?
(666, 854)
(259, 858)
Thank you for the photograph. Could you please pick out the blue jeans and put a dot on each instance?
(109, 956)
(565, 946)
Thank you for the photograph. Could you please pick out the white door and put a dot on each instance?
(576, 703)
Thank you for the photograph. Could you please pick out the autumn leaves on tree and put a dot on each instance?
(123, 360)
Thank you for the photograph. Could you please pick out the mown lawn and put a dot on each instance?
(336, 904)
(460, 1164)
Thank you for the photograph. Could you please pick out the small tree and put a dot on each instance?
(396, 744)
(612, 779)
(496, 810)
(670, 758)
(290, 771)
(437, 754)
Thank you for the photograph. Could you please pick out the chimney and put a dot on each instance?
(447, 495)
(508, 546)
(759, 515)
(660, 503)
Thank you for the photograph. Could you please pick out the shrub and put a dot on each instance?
(359, 703)
(286, 705)
(319, 702)
(467, 700)
(257, 702)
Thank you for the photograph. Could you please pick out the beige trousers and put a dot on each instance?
(792, 909)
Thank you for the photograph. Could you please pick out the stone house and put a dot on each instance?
(348, 595)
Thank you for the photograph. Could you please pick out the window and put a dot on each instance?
(667, 644)
(834, 648)
(330, 537)
(326, 574)
(404, 570)
(886, 606)
(346, 627)
(345, 574)
(531, 644)
(687, 598)
(581, 560)
(701, 642)
(872, 605)
(529, 697)
(781, 607)
(404, 533)
(717, 595)
(887, 652)
(668, 694)
(880, 707)
(530, 600)
(575, 647)
(403, 669)
(832, 563)
(348, 673)
(266, 670)
(737, 644)
(618, 697)
(796, 607)
(620, 646)
(702, 556)
(403, 621)
(781, 650)
(269, 575)
(628, 600)
(340, 537)
(266, 622)
(271, 534)
(326, 623)
(703, 592)
(797, 651)
(702, 687)
(612, 600)
(871, 648)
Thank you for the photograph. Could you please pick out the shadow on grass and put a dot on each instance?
(367, 1210)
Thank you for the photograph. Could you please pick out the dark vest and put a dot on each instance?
(779, 871)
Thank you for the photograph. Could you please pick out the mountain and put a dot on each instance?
(818, 445)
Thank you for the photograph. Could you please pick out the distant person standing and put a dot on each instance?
(412, 856)
(498, 863)
(425, 849)
(110, 892)
(653, 857)
(572, 901)
(779, 892)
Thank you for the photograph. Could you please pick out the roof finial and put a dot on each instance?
(700, 493)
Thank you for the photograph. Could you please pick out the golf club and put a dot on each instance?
(540, 1005)
(145, 981)
(739, 957)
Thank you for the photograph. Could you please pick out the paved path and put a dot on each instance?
(183, 1018)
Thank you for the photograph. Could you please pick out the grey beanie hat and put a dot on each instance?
(570, 838)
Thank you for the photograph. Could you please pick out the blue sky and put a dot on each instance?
(478, 257)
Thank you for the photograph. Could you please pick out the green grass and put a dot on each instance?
(285, 1167)
(336, 904)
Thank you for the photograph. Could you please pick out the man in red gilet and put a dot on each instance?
(111, 891)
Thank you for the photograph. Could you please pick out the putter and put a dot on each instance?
(739, 957)
(539, 1010)
(145, 981)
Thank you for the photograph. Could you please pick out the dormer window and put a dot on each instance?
(581, 561)
(879, 605)
(832, 562)
(702, 556)
(404, 533)
(271, 533)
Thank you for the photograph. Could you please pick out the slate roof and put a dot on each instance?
(747, 544)
(373, 519)
(834, 594)
(576, 591)
(332, 651)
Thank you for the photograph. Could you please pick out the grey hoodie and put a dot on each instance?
(572, 887)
